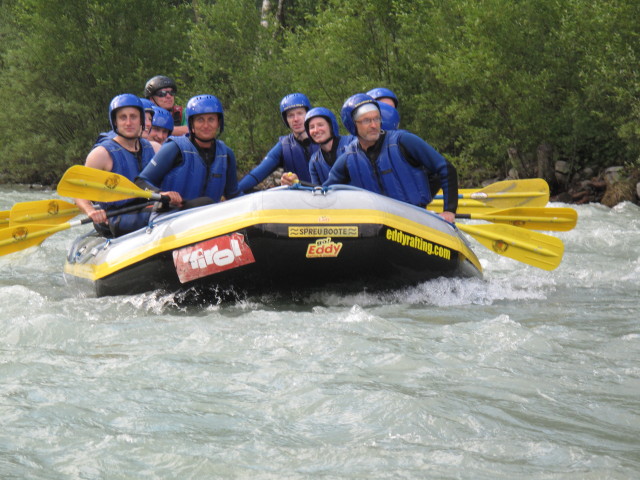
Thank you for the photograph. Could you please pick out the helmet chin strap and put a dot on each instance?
(195, 137)
(327, 140)
(301, 136)
(333, 135)
(129, 138)
(132, 144)
(204, 141)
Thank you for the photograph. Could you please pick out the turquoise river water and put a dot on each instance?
(524, 374)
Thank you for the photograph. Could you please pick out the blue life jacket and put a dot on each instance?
(104, 136)
(319, 168)
(126, 164)
(127, 222)
(192, 178)
(392, 174)
(296, 157)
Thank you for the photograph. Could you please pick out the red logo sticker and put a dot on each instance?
(212, 256)
(323, 247)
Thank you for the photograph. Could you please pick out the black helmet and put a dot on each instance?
(158, 82)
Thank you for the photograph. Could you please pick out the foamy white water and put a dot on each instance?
(525, 374)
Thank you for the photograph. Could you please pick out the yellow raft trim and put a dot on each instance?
(283, 216)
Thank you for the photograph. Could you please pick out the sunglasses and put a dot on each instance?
(164, 93)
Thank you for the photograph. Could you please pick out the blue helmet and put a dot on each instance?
(291, 101)
(381, 92)
(147, 105)
(121, 101)
(350, 106)
(201, 104)
(327, 115)
(162, 119)
(390, 117)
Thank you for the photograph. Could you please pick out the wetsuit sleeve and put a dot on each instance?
(339, 173)
(231, 189)
(269, 163)
(434, 163)
(160, 164)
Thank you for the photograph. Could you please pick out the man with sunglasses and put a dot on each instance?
(162, 91)
(394, 163)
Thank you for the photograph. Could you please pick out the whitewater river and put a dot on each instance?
(525, 374)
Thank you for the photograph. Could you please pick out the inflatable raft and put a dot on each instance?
(279, 240)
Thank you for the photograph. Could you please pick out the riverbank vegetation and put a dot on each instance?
(494, 85)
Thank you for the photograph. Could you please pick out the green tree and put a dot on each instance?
(606, 36)
(72, 57)
(233, 57)
(347, 48)
(500, 75)
(475, 79)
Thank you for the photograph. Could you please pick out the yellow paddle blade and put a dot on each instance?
(530, 192)
(43, 211)
(533, 248)
(100, 186)
(527, 192)
(4, 218)
(549, 219)
(19, 237)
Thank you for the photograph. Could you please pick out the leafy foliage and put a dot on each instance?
(232, 57)
(73, 57)
(474, 79)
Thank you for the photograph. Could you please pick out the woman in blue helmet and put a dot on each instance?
(395, 163)
(161, 125)
(147, 105)
(200, 168)
(123, 152)
(322, 127)
(292, 152)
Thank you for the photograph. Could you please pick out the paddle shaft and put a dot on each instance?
(555, 219)
(509, 218)
(113, 213)
(485, 196)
